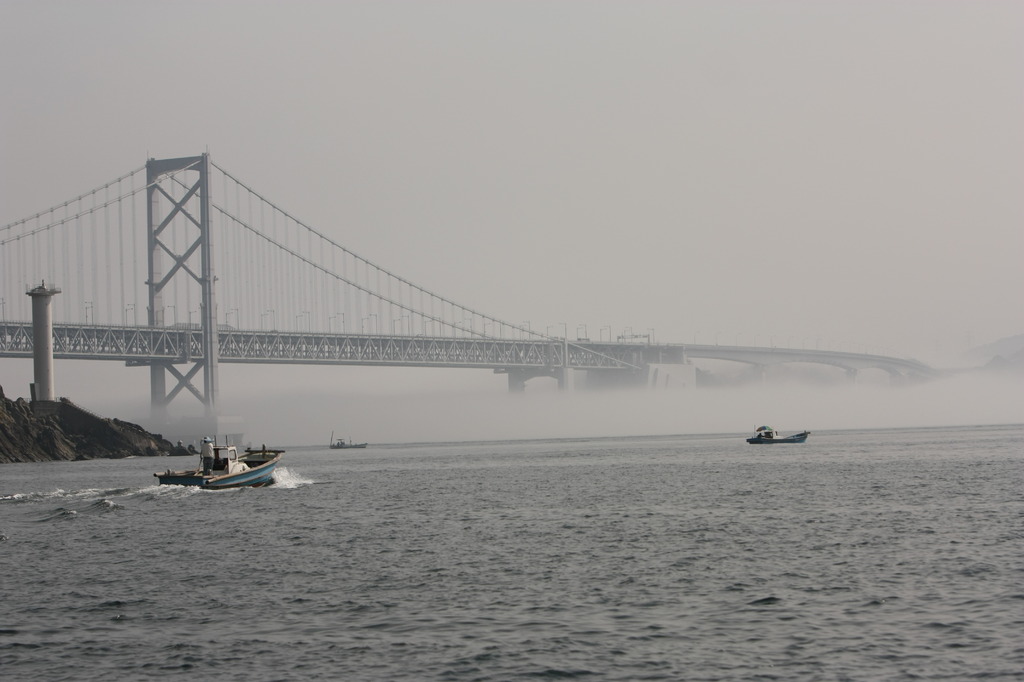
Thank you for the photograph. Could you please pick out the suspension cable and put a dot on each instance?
(370, 263)
(71, 201)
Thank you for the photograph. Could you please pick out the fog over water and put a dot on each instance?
(389, 405)
(835, 175)
(487, 416)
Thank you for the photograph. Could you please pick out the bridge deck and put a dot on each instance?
(143, 345)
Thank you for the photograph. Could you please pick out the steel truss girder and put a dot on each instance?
(411, 351)
(161, 346)
(168, 345)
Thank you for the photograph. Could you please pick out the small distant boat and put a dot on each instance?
(225, 468)
(766, 434)
(342, 444)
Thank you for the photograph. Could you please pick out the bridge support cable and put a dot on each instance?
(378, 291)
(377, 287)
(69, 202)
(64, 243)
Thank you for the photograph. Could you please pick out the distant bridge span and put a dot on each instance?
(851, 362)
(628, 362)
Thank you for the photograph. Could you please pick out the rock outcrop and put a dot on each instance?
(70, 433)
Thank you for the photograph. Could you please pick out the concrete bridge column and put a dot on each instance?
(42, 390)
(517, 381)
(671, 375)
(157, 392)
(897, 378)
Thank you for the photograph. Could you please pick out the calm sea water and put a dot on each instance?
(868, 555)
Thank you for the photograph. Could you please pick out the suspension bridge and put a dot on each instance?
(179, 266)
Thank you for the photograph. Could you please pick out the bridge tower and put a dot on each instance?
(185, 223)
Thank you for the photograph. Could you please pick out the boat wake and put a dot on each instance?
(283, 478)
(168, 491)
(100, 506)
(91, 500)
(60, 494)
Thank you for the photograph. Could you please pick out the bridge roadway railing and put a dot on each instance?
(144, 345)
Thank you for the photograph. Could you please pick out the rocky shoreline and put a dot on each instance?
(70, 433)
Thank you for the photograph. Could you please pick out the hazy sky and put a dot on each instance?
(812, 172)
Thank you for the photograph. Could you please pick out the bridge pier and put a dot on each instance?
(518, 376)
(517, 381)
(157, 392)
(672, 375)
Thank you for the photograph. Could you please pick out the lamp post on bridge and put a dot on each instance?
(565, 330)
(131, 307)
(371, 315)
(88, 309)
(330, 322)
(228, 315)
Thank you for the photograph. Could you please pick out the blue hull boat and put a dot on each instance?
(225, 468)
(767, 437)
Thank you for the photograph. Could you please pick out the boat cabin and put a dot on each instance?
(223, 460)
